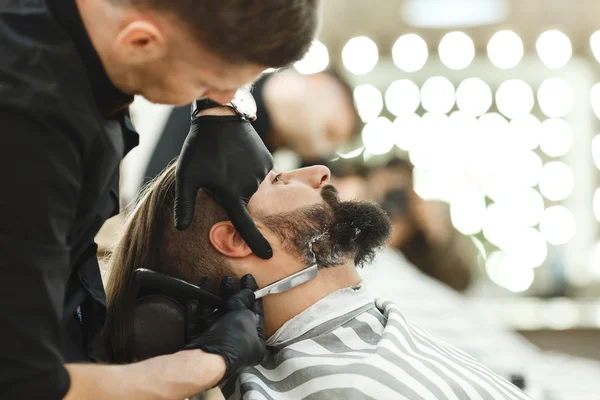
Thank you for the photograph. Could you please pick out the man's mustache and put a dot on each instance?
(330, 195)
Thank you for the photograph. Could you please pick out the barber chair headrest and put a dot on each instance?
(158, 326)
(159, 316)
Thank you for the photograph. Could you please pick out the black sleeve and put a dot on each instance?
(41, 180)
(170, 142)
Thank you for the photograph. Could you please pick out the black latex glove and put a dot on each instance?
(238, 336)
(224, 155)
(200, 316)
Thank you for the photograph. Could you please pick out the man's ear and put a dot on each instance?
(141, 42)
(227, 240)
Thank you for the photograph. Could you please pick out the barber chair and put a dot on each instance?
(159, 316)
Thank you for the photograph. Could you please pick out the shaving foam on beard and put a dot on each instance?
(326, 258)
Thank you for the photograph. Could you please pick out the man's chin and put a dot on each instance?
(361, 228)
(159, 97)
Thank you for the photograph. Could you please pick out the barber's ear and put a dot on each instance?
(141, 42)
(227, 240)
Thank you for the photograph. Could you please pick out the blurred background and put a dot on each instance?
(490, 109)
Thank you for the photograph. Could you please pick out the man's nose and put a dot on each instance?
(316, 176)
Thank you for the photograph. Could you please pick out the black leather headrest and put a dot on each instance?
(158, 326)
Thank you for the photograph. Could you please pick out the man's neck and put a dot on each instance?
(280, 308)
(101, 20)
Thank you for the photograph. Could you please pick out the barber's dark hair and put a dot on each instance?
(273, 33)
(150, 240)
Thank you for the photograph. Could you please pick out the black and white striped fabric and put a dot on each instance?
(348, 346)
(449, 316)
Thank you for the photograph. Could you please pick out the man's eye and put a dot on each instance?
(277, 178)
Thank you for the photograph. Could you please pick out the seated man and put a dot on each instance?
(327, 338)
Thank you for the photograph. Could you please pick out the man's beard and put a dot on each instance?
(330, 233)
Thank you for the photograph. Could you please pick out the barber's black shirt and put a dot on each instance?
(63, 130)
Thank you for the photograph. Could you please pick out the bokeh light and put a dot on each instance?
(378, 136)
(595, 45)
(424, 185)
(528, 246)
(509, 272)
(557, 225)
(315, 60)
(557, 181)
(596, 267)
(432, 129)
(596, 204)
(596, 150)
(410, 52)
(406, 128)
(481, 253)
(524, 206)
(561, 314)
(500, 177)
(527, 168)
(286, 159)
(474, 96)
(368, 101)
(438, 95)
(557, 137)
(505, 49)
(514, 98)
(555, 97)
(467, 212)
(497, 225)
(525, 131)
(360, 55)
(595, 99)
(456, 50)
(352, 153)
(554, 49)
(402, 97)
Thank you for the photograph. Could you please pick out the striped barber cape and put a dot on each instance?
(348, 346)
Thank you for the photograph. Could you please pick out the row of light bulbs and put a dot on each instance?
(514, 97)
(456, 50)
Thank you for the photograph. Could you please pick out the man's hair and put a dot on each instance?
(273, 33)
(151, 241)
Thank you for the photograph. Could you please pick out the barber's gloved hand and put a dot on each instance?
(238, 336)
(225, 156)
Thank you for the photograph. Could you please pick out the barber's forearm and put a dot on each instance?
(175, 376)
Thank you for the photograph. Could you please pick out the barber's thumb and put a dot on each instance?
(243, 223)
(248, 282)
(243, 300)
(185, 204)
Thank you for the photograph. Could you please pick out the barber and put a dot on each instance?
(68, 72)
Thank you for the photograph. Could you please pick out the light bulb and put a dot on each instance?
(505, 49)
(456, 50)
(438, 95)
(410, 52)
(554, 49)
(360, 55)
